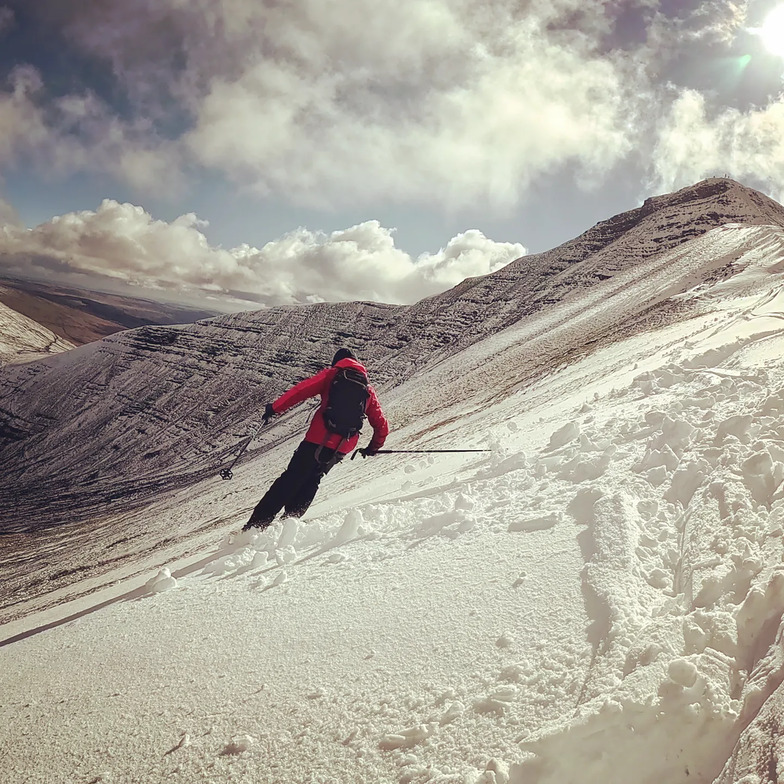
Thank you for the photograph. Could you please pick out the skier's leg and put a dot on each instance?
(270, 504)
(283, 488)
(302, 498)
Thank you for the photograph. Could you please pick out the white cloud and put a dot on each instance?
(694, 143)
(123, 244)
(440, 103)
(427, 101)
(688, 144)
(22, 125)
(709, 22)
(77, 133)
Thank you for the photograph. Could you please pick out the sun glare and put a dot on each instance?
(772, 32)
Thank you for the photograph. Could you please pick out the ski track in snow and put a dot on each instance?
(600, 599)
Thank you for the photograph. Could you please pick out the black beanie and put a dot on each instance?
(343, 353)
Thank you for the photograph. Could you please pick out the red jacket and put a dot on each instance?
(319, 385)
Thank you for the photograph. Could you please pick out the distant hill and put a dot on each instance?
(24, 340)
(81, 316)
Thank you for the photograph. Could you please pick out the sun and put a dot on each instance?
(772, 32)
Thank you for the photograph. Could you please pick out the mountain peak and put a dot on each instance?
(738, 201)
(660, 224)
(664, 221)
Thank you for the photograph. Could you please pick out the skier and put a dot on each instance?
(346, 399)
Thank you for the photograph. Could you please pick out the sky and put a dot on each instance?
(238, 153)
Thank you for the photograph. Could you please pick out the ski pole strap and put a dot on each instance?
(417, 451)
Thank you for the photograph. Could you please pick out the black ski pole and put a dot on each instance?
(254, 431)
(415, 451)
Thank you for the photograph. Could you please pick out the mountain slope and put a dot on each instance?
(80, 316)
(598, 598)
(103, 430)
(24, 340)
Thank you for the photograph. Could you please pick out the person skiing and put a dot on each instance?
(346, 399)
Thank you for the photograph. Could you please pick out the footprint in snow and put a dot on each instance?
(539, 523)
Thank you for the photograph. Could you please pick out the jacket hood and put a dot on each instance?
(351, 363)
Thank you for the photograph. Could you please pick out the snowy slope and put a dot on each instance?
(597, 599)
(23, 340)
(94, 436)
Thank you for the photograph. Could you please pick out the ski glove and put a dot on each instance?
(367, 452)
(269, 412)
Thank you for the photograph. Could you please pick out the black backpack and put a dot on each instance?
(346, 401)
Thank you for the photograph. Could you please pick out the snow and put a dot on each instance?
(22, 339)
(599, 598)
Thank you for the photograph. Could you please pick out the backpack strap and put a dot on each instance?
(327, 464)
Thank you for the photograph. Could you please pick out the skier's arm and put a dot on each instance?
(310, 387)
(378, 421)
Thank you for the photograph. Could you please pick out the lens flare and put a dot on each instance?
(772, 32)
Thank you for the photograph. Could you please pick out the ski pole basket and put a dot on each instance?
(226, 472)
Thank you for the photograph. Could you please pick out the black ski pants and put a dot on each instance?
(295, 489)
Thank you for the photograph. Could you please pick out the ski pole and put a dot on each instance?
(415, 451)
(226, 472)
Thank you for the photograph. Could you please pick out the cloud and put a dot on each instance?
(428, 101)
(707, 22)
(447, 107)
(437, 103)
(695, 142)
(85, 135)
(6, 19)
(8, 214)
(22, 125)
(121, 244)
(78, 133)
